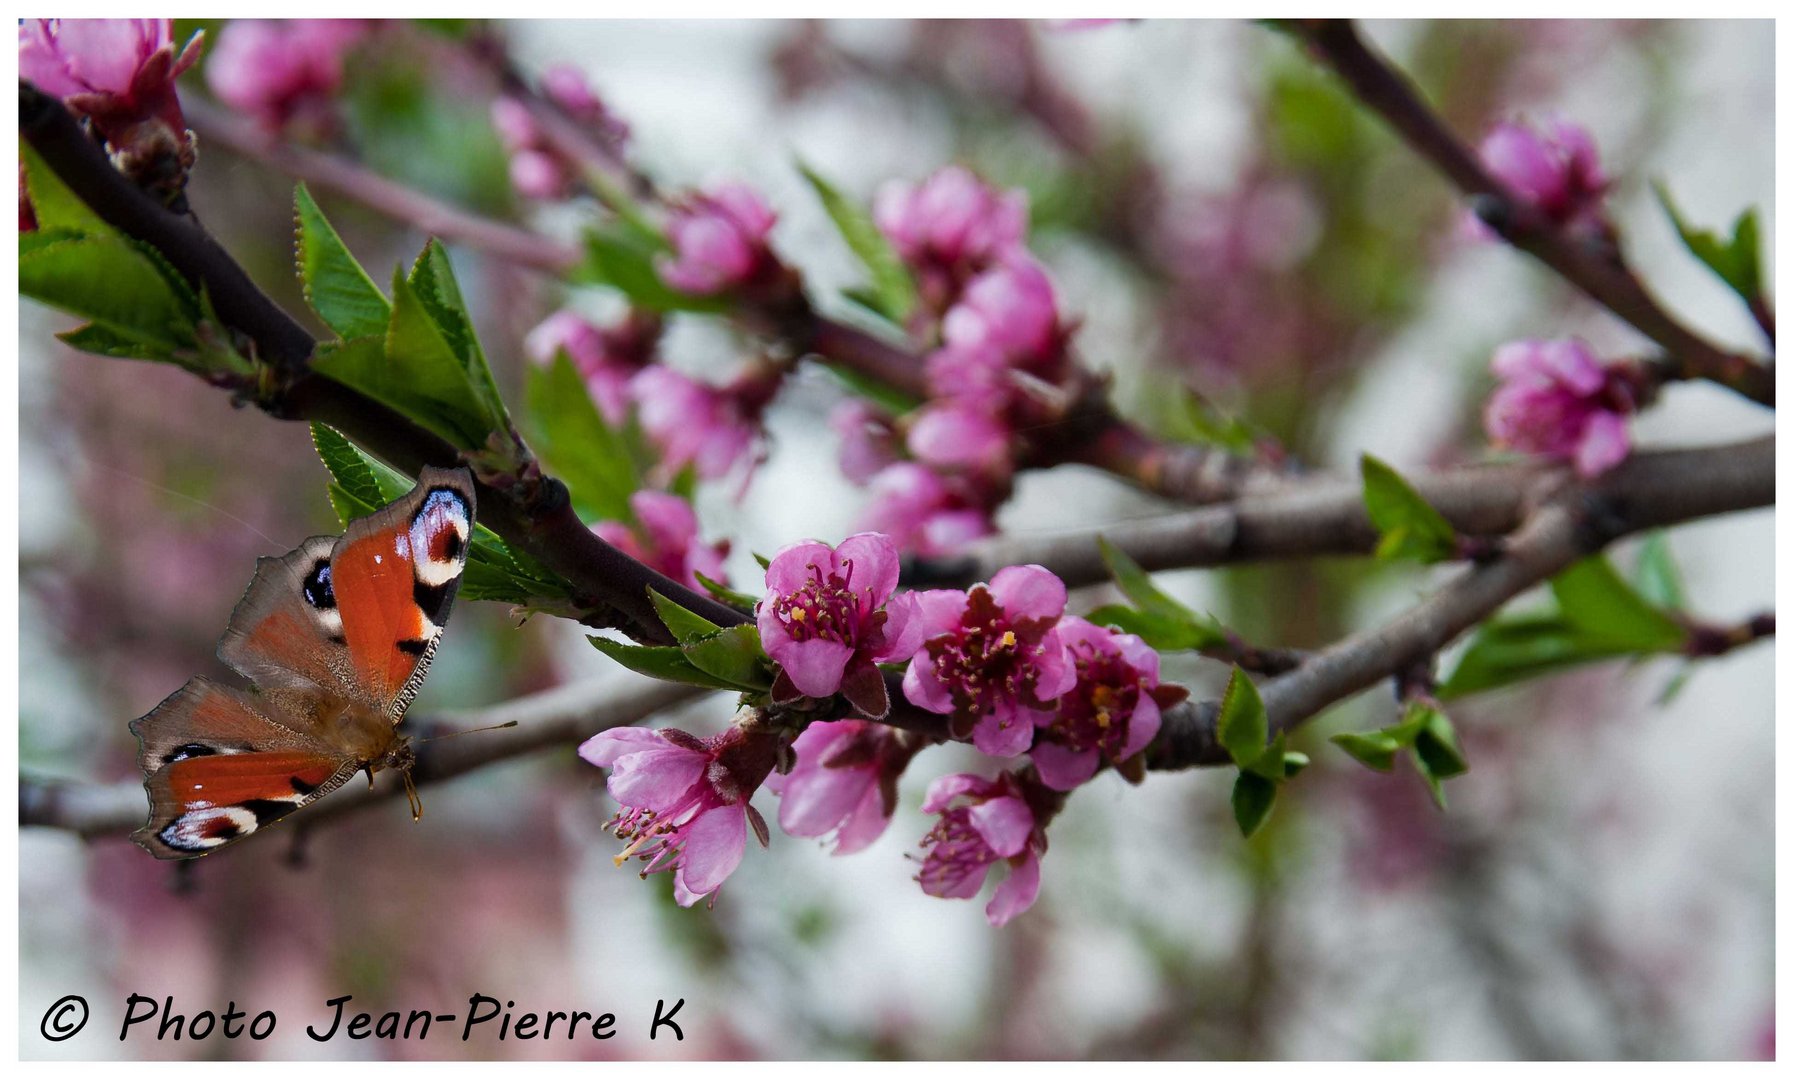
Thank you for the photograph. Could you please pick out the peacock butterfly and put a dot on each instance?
(337, 636)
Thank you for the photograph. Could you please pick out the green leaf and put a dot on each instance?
(1271, 763)
(97, 339)
(1657, 578)
(1242, 727)
(432, 279)
(739, 600)
(350, 471)
(1198, 421)
(888, 398)
(336, 286)
(1411, 528)
(893, 290)
(1372, 749)
(1294, 763)
(1604, 609)
(733, 655)
(687, 626)
(55, 206)
(1252, 799)
(580, 447)
(1436, 746)
(623, 258)
(1516, 648)
(108, 281)
(1170, 620)
(1734, 259)
(1162, 633)
(663, 662)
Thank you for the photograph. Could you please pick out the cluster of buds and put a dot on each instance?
(284, 74)
(1000, 367)
(540, 168)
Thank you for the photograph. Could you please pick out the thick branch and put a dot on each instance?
(564, 716)
(537, 517)
(1574, 524)
(1326, 515)
(1594, 268)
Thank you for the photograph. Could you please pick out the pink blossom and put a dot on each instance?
(993, 823)
(276, 71)
(950, 220)
(830, 617)
(566, 86)
(516, 127)
(665, 537)
(120, 74)
(921, 512)
(844, 782)
(719, 241)
(1557, 171)
(991, 658)
(977, 375)
(956, 436)
(691, 423)
(1112, 712)
(1556, 399)
(684, 800)
(606, 357)
(1008, 308)
(867, 441)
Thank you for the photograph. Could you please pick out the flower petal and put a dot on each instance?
(656, 779)
(866, 823)
(1017, 893)
(713, 847)
(789, 570)
(1604, 444)
(817, 801)
(815, 666)
(875, 566)
(945, 789)
(924, 688)
(1004, 822)
(1029, 592)
(1062, 768)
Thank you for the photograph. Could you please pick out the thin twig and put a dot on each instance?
(1595, 268)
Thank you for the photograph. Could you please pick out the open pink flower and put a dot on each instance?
(279, 71)
(921, 512)
(665, 537)
(844, 782)
(950, 220)
(1112, 712)
(719, 241)
(829, 618)
(1556, 399)
(120, 74)
(991, 658)
(690, 423)
(983, 822)
(1556, 170)
(684, 800)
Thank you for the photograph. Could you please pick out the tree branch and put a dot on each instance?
(564, 716)
(1326, 515)
(1594, 267)
(1573, 524)
(536, 516)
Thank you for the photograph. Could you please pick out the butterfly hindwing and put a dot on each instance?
(217, 769)
(286, 632)
(394, 575)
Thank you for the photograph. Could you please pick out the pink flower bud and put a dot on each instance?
(954, 436)
(1556, 171)
(950, 219)
(1556, 399)
(665, 537)
(921, 512)
(1008, 308)
(277, 71)
(868, 444)
(719, 241)
(539, 175)
(516, 128)
(691, 423)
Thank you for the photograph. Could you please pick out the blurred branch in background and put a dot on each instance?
(562, 717)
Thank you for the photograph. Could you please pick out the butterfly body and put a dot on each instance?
(337, 636)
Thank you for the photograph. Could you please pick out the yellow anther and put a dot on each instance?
(1009, 639)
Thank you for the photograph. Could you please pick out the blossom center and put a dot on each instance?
(823, 608)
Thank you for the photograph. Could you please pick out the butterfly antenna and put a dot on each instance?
(468, 731)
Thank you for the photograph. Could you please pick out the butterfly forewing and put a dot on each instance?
(394, 575)
(218, 768)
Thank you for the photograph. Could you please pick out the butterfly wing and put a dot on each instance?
(217, 769)
(394, 575)
(357, 618)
